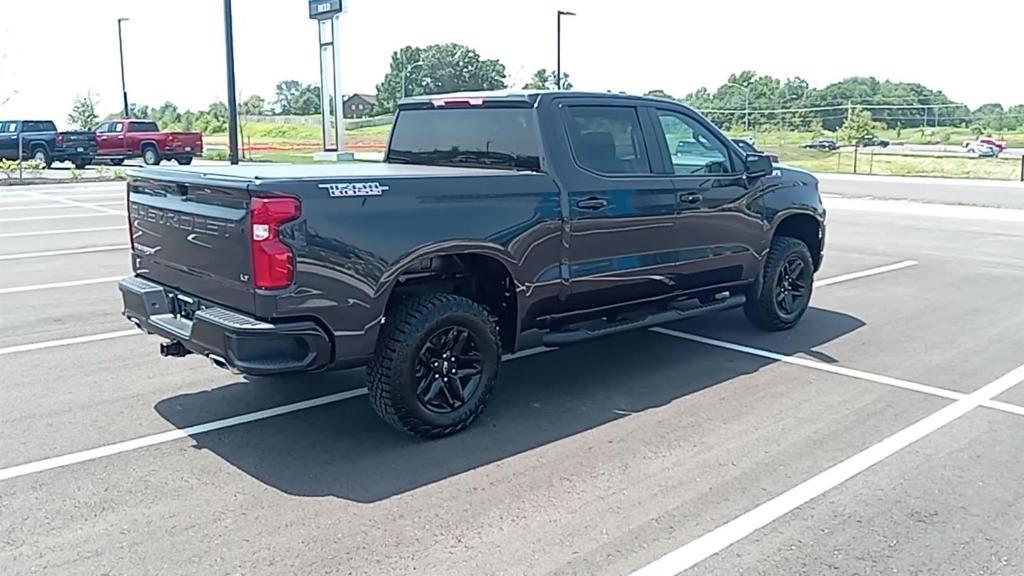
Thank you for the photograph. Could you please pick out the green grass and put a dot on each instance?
(288, 135)
(785, 144)
(900, 165)
(950, 136)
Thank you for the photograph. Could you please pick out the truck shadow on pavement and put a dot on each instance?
(344, 450)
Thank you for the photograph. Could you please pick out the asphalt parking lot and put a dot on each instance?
(882, 435)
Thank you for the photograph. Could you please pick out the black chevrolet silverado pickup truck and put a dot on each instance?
(497, 222)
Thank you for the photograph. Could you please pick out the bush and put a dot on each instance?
(215, 155)
(9, 168)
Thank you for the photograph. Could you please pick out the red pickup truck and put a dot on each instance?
(117, 140)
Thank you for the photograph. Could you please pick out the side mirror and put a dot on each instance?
(758, 165)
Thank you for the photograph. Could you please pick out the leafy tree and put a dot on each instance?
(285, 92)
(139, 112)
(859, 128)
(547, 80)
(307, 101)
(659, 94)
(167, 116)
(977, 130)
(253, 105)
(437, 69)
(83, 114)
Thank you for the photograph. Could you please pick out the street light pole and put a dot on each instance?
(746, 106)
(232, 104)
(558, 48)
(405, 71)
(120, 49)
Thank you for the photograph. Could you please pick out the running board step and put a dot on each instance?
(678, 312)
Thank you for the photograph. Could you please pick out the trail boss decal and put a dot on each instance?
(342, 190)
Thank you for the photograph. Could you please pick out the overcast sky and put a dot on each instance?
(175, 48)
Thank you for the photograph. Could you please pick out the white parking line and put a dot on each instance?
(67, 341)
(69, 202)
(68, 231)
(834, 369)
(865, 273)
(6, 209)
(154, 439)
(728, 534)
(51, 285)
(62, 216)
(163, 437)
(25, 255)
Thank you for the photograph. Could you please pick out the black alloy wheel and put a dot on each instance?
(448, 370)
(791, 287)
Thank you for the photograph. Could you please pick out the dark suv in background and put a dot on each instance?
(39, 140)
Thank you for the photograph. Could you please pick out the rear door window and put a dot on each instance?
(143, 127)
(485, 137)
(9, 127)
(608, 139)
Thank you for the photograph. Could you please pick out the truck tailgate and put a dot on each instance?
(193, 236)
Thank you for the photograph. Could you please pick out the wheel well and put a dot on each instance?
(805, 228)
(483, 279)
(150, 144)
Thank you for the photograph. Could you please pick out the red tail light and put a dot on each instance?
(273, 264)
(60, 139)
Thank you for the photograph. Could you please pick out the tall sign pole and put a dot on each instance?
(120, 49)
(232, 103)
(327, 14)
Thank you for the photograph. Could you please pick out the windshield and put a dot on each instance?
(503, 138)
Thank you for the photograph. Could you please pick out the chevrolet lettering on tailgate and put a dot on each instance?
(187, 222)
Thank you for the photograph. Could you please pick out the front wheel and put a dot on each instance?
(116, 161)
(82, 163)
(185, 160)
(786, 286)
(436, 365)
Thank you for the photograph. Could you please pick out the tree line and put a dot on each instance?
(745, 100)
(766, 102)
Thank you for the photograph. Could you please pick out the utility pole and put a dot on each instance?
(232, 104)
(120, 49)
(558, 49)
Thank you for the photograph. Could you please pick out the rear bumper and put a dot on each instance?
(73, 153)
(231, 340)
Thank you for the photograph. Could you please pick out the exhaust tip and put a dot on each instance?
(221, 363)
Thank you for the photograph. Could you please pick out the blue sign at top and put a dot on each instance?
(322, 9)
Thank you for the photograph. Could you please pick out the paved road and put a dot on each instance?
(995, 194)
(599, 459)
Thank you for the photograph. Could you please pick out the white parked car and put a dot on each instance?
(982, 149)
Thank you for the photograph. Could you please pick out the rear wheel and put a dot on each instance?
(786, 287)
(42, 155)
(150, 155)
(436, 365)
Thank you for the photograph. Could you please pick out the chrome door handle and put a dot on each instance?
(691, 198)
